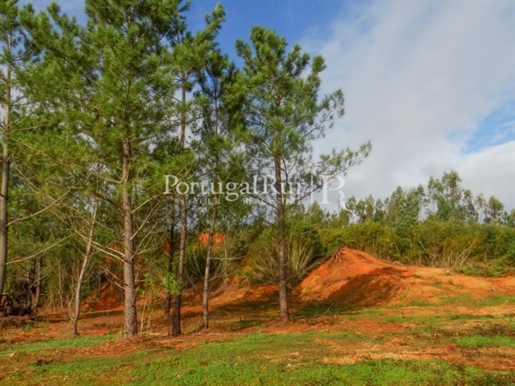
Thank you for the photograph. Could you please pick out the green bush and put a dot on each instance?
(487, 250)
(461, 245)
(495, 268)
(377, 239)
(445, 244)
(301, 258)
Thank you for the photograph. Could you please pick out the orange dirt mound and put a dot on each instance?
(356, 279)
(352, 278)
(240, 289)
(110, 297)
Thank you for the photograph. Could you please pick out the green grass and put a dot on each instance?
(475, 337)
(400, 319)
(469, 301)
(484, 341)
(495, 301)
(78, 371)
(380, 315)
(309, 358)
(297, 359)
(318, 309)
(191, 371)
(417, 303)
(253, 359)
(495, 335)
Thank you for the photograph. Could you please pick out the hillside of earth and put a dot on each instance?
(349, 279)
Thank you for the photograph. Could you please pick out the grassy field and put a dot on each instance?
(413, 345)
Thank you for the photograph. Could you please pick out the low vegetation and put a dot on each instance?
(371, 346)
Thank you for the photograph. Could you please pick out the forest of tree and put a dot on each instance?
(107, 124)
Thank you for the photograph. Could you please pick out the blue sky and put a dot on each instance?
(431, 83)
(291, 19)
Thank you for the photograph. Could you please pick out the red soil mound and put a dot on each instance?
(240, 289)
(110, 297)
(349, 278)
(353, 278)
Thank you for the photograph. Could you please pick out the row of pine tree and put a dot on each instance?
(97, 113)
(109, 122)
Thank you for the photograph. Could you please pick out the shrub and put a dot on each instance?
(456, 245)
(263, 258)
(377, 239)
(496, 268)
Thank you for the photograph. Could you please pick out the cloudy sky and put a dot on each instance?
(430, 83)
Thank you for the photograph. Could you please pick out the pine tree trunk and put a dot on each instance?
(4, 187)
(209, 254)
(60, 284)
(171, 252)
(87, 254)
(168, 304)
(3, 215)
(207, 272)
(37, 283)
(281, 225)
(176, 319)
(131, 322)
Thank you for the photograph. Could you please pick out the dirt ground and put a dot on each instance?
(355, 278)
(389, 310)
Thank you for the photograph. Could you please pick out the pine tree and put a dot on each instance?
(190, 52)
(11, 54)
(285, 114)
(113, 93)
(220, 135)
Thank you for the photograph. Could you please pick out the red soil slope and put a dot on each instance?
(353, 278)
(349, 278)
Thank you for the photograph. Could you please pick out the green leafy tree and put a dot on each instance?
(379, 211)
(494, 209)
(445, 198)
(480, 206)
(508, 219)
(365, 209)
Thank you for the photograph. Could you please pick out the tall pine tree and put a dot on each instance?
(113, 89)
(285, 114)
(11, 55)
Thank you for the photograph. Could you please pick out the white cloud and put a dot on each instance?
(491, 171)
(418, 79)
